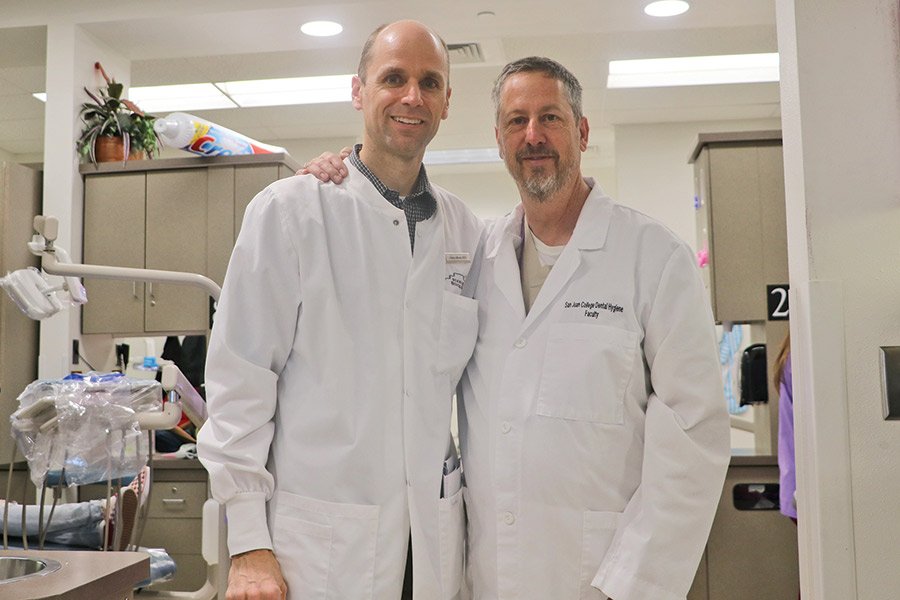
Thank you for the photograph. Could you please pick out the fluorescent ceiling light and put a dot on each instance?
(321, 28)
(666, 8)
(237, 94)
(468, 155)
(693, 70)
(191, 96)
(293, 90)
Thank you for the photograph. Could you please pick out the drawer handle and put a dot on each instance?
(173, 501)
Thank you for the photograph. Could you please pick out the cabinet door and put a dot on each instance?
(737, 274)
(114, 235)
(176, 241)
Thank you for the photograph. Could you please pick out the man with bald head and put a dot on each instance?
(343, 328)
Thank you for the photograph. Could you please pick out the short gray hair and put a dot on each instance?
(549, 68)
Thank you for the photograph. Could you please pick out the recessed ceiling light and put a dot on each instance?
(666, 8)
(321, 28)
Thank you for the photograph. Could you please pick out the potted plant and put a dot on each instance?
(115, 128)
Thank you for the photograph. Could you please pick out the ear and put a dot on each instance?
(446, 104)
(583, 131)
(499, 145)
(356, 92)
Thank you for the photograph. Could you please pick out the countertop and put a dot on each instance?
(85, 575)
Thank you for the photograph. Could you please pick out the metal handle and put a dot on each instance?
(134, 289)
(173, 501)
(152, 297)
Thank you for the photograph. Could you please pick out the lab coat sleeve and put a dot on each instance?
(664, 528)
(251, 339)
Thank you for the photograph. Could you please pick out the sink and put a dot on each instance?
(17, 568)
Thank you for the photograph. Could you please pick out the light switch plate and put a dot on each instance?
(890, 381)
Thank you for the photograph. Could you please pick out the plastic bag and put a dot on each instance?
(85, 424)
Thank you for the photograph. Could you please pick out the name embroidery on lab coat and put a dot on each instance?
(456, 279)
(592, 309)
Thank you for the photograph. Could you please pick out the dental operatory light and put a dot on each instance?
(321, 28)
(36, 296)
(666, 8)
(693, 70)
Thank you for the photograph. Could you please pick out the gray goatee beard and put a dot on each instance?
(541, 186)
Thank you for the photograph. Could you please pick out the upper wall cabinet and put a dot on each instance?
(739, 187)
(172, 215)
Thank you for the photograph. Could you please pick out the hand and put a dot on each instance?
(255, 575)
(328, 166)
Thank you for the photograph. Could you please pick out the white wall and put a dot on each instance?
(71, 54)
(841, 114)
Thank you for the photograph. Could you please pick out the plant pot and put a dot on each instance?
(111, 149)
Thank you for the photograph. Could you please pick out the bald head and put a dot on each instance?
(400, 32)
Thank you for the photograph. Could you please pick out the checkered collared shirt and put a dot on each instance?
(418, 206)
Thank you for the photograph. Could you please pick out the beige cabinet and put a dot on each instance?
(752, 547)
(20, 200)
(739, 183)
(173, 215)
(174, 518)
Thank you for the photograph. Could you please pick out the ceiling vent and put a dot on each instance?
(461, 54)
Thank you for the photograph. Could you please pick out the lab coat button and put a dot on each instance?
(396, 221)
(509, 518)
(521, 342)
(505, 427)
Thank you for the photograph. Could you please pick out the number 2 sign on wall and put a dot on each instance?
(778, 302)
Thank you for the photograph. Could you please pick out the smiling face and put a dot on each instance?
(537, 134)
(404, 95)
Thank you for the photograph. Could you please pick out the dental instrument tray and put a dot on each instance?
(85, 428)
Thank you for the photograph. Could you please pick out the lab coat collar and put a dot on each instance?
(590, 234)
(590, 229)
(593, 222)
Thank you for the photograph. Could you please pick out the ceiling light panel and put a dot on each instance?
(191, 96)
(464, 156)
(693, 70)
(292, 90)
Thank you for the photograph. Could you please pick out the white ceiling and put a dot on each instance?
(207, 40)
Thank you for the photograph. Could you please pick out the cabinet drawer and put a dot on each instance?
(189, 576)
(177, 499)
(175, 536)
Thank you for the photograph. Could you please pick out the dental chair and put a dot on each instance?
(39, 299)
(46, 427)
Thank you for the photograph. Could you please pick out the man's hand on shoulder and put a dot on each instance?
(328, 166)
(255, 575)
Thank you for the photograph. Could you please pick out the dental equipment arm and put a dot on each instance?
(174, 381)
(48, 228)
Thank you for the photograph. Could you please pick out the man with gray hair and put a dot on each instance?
(593, 425)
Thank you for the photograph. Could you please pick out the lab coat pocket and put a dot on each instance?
(459, 329)
(303, 550)
(330, 547)
(586, 370)
(453, 538)
(598, 531)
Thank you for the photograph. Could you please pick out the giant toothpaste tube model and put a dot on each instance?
(181, 130)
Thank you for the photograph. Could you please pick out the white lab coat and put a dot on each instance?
(594, 431)
(324, 309)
